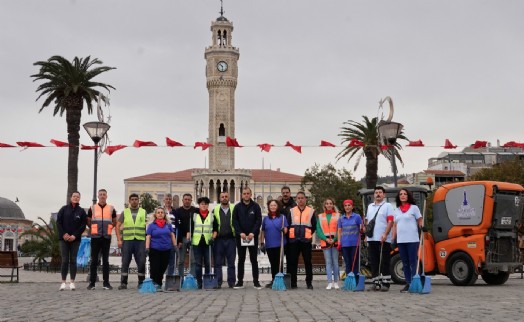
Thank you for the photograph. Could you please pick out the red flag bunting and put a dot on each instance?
(355, 142)
(110, 149)
(139, 144)
(479, 144)
(297, 148)
(384, 147)
(449, 145)
(513, 144)
(5, 145)
(172, 143)
(30, 144)
(415, 143)
(59, 144)
(87, 147)
(203, 145)
(326, 143)
(232, 142)
(265, 147)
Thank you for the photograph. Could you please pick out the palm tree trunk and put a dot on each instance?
(73, 117)
(371, 167)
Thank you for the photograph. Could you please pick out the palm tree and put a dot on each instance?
(67, 85)
(45, 242)
(367, 133)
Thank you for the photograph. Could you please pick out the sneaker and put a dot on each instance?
(405, 289)
(335, 285)
(330, 285)
(91, 286)
(309, 287)
(384, 288)
(257, 285)
(238, 285)
(62, 286)
(107, 286)
(72, 286)
(122, 287)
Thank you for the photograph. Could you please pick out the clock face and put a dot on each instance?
(222, 66)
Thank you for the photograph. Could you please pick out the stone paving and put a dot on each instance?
(36, 298)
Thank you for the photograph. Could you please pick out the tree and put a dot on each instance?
(509, 171)
(148, 203)
(45, 242)
(326, 182)
(367, 133)
(67, 85)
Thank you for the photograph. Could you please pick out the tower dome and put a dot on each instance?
(9, 209)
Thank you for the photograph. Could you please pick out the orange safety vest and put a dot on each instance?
(300, 228)
(101, 221)
(329, 229)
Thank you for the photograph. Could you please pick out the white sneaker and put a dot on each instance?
(72, 286)
(62, 286)
(336, 285)
(329, 286)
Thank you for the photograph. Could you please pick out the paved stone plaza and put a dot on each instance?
(36, 298)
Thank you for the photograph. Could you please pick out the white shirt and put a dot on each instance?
(381, 222)
(407, 227)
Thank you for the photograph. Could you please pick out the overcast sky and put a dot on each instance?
(455, 69)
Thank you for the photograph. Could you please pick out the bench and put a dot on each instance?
(9, 260)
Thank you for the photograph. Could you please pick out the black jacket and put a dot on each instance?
(183, 216)
(71, 220)
(247, 219)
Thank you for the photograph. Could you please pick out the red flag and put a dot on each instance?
(87, 147)
(172, 143)
(30, 144)
(265, 147)
(449, 145)
(384, 147)
(415, 143)
(203, 145)
(139, 144)
(232, 142)
(355, 142)
(479, 144)
(59, 144)
(297, 148)
(326, 143)
(513, 144)
(110, 149)
(5, 145)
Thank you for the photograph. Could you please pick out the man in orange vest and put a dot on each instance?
(101, 219)
(303, 224)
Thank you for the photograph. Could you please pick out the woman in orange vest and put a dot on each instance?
(327, 232)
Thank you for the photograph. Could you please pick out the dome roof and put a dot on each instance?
(9, 209)
(222, 18)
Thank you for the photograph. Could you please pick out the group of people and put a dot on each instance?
(217, 235)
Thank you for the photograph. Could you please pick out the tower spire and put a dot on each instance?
(221, 8)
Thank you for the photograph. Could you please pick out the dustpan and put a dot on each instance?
(210, 281)
(426, 280)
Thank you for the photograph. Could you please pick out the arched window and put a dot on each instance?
(221, 130)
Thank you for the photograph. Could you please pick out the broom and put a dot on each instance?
(190, 283)
(416, 283)
(278, 282)
(350, 283)
(147, 285)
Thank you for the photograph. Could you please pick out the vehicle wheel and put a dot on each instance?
(397, 274)
(461, 270)
(495, 279)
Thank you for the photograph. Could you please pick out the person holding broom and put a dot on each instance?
(350, 227)
(160, 240)
(274, 227)
(407, 223)
(327, 232)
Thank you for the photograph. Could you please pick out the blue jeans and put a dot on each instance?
(408, 255)
(349, 254)
(332, 269)
(130, 249)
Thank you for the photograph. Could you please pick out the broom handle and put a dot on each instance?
(281, 245)
(190, 244)
(357, 250)
(421, 236)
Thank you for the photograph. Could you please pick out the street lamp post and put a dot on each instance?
(389, 132)
(96, 131)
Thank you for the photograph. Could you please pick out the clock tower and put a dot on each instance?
(221, 76)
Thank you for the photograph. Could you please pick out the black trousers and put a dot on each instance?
(99, 245)
(69, 252)
(158, 260)
(273, 254)
(294, 250)
(374, 259)
(253, 252)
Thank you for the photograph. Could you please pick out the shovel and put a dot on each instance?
(173, 281)
(209, 280)
(426, 280)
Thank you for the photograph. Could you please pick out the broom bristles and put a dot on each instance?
(278, 283)
(350, 283)
(416, 285)
(147, 286)
(189, 283)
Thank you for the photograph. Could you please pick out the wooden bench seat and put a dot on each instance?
(9, 261)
